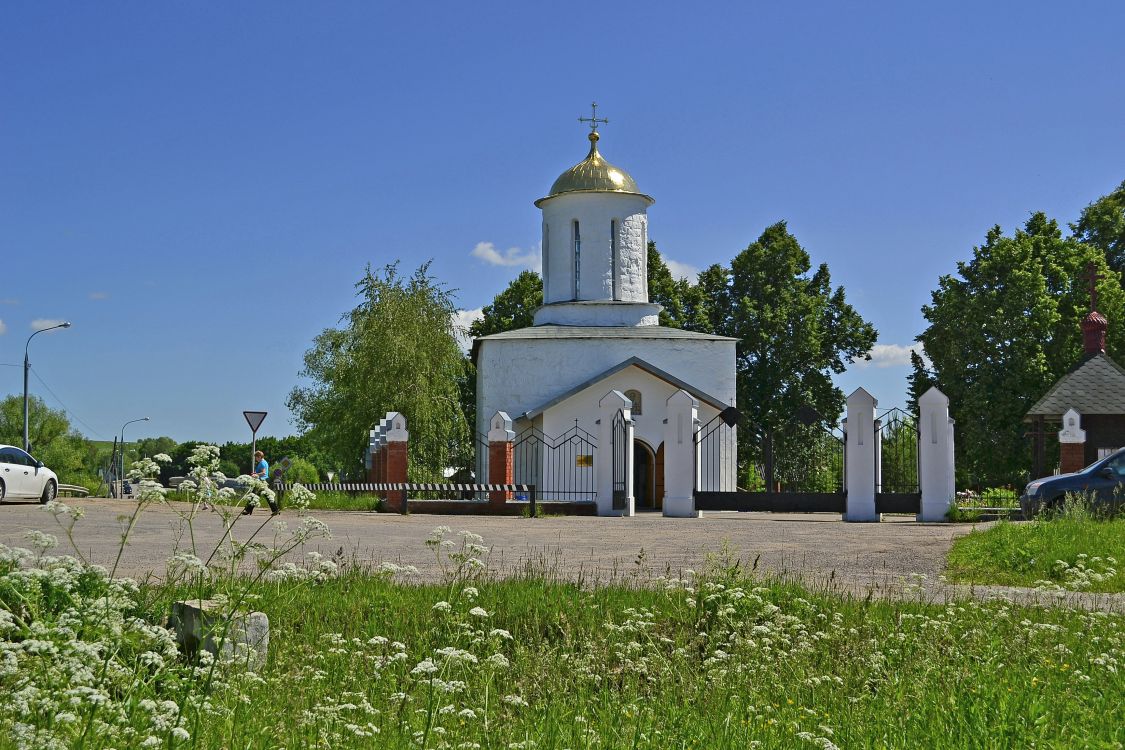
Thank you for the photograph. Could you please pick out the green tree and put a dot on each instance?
(512, 308)
(684, 303)
(1102, 224)
(663, 289)
(153, 445)
(301, 471)
(53, 442)
(397, 351)
(793, 329)
(920, 380)
(1002, 330)
(710, 307)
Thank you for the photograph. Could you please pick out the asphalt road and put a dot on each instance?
(898, 557)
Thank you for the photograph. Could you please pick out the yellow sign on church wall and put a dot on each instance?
(584, 459)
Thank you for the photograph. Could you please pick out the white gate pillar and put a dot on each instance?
(935, 455)
(859, 457)
(679, 455)
(611, 403)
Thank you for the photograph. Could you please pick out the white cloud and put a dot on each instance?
(40, 324)
(512, 258)
(462, 319)
(892, 355)
(3, 328)
(99, 295)
(682, 270)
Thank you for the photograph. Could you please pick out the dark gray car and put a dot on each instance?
(1102, 481)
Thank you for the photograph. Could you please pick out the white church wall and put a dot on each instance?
(595, 214)
(518, 375)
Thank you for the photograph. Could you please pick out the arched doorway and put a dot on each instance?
(644, 475)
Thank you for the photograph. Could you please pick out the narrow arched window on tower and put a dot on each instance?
(613, 256)
(634, 396)
(577, 259)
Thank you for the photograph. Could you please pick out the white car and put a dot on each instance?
(23, 477)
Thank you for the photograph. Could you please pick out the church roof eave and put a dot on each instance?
(557, 332)
(539, 203)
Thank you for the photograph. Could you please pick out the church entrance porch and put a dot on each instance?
(645, 470)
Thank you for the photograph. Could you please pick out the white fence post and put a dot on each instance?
(859, 457)
(611, 403)
(679, 455)
(935, 456)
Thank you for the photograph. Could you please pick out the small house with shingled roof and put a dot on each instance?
(1088, 403)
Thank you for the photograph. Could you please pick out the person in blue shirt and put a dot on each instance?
(262, 471)
(261, 467)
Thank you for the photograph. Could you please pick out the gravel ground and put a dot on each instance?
(898, 557)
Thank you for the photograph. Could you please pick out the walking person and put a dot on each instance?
(262, 471)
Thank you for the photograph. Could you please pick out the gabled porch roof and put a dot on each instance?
(631, 362)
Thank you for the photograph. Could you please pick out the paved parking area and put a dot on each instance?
(896, 557)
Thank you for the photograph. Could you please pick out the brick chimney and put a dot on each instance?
(1093, 332)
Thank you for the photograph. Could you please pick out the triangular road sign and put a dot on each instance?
(254, 419)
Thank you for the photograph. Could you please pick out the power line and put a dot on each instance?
(66, 411)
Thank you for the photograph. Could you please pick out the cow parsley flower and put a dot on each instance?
(425, 667)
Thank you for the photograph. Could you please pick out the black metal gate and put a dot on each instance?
(561, 468)
(801, 466)
(480, 466)
(896, 464)
(620, 458)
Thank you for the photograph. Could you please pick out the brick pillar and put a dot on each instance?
(1072, 443)
(372, 455)
(501, 458)
(1072, 457)
(383, 459)
(395, 460)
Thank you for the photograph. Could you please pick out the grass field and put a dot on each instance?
(723, 659)
(1071, 550)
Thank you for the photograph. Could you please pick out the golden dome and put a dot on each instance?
(594, 175)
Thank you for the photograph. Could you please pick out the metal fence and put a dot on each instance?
(561, 468)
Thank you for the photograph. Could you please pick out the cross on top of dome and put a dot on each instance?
(593, 119)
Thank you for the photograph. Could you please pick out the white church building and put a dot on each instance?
(597, 336)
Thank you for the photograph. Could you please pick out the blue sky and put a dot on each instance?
(197, 186)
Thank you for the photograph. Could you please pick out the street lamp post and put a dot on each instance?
(121, 458)
(26, 371)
